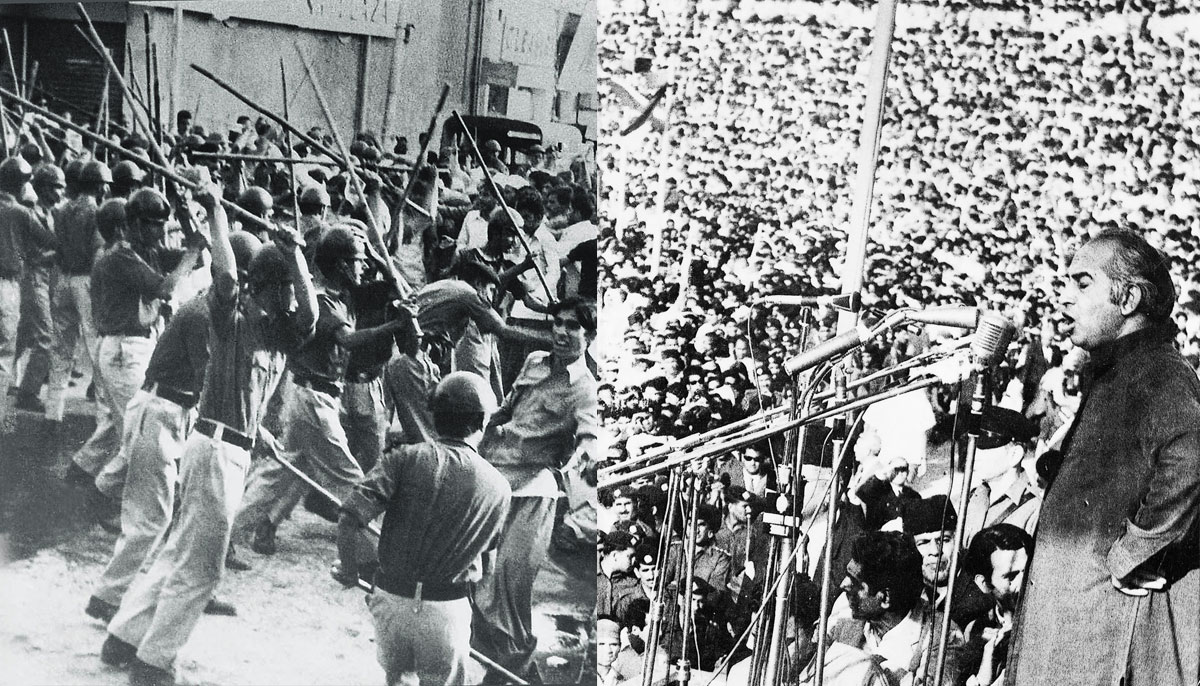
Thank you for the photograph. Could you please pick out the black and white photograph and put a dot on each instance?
(298, 327)
(900, 331)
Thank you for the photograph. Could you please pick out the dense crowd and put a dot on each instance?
(1011, 134)
(365, 328)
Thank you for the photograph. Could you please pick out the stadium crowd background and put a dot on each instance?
(1011, 133)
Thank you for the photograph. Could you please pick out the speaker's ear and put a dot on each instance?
(1132, 298)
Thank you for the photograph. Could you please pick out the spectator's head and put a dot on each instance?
(708, 523)
(1119, 284)
(931, 521)
(754, 459)
(502, 229)
(608, 640)
(996, 561)
(617, 550)
(461, 404)
(883, 575)
(624, 505)
(529, 205)
(645, 563)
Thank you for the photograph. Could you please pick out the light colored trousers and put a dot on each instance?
(71, 309)
(154, 434)
(121, 363)
(423, 642)
(10, 316)
(163, 605)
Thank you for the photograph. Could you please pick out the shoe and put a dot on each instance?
(117, 653)
(76, 476)
(142, 674)
(30, 403)
(237, 564)
(264, 539)
(99, 609)
(105, 510)
(220, 607)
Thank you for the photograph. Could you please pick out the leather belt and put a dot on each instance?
(422, 591)
(220, 432)
(185, 399)
(320, 385)
(130, 333)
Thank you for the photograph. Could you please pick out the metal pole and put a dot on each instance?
(152, 166)
(868, 157)
(394, 232)
(487, 174)
(657, 603)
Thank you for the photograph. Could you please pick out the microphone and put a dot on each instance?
(846, 302)
(992, 338)
(828, 350)
(958, 317)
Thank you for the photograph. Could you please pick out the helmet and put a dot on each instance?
(95, 173)
(313, 198)
(15, 172)
(110, 219)
(245, 245)
(126, 174)
(256, 201)
(31, 152)
(339, 243)
(463, 393)
(72, 173)
(269, 266)
(47, 174)
(148, 204)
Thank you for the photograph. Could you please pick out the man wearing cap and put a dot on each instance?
(931, 521)
(1113, 591)
(549, 421)
(315, 440)
(645, 572)
(253, 327)
(129, 285)
(712, 563)
(614, 580)
(708, 639)
(1002, 493)
(20, 232)
(444, 509)
(34, 331)
(734, 535)
(79, 241)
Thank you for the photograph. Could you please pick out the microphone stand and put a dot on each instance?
(656, 603)
(684, 673)
(839, 449)
(979, 401)
(782, 546)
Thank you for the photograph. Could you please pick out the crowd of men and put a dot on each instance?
(391, 344)
(1011, 138)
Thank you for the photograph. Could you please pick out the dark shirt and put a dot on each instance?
(322, 357)
(370, 304)
(247, 352)
(20, 232)
(613, 592)
(78, 235)
(585, 255)
(181, 353)
(444, 507)
(125, 291)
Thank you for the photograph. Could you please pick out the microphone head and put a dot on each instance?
(992, 338)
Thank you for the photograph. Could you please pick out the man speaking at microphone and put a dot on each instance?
(1113, 591)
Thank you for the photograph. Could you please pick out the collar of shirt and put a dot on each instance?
(1106, 355)
(540, 367)
(897, 646)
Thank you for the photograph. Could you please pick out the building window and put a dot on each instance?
(556, 106)
(497, 102)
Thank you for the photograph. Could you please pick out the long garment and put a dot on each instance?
(1126, 498)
